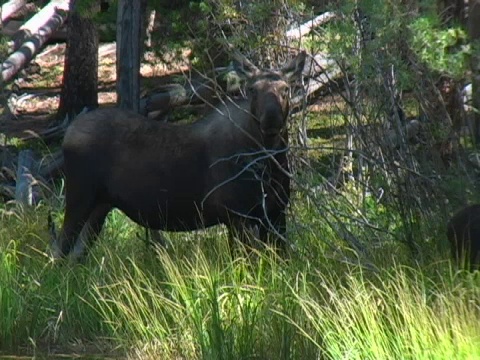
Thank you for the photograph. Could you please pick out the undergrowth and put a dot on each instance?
(193, 300)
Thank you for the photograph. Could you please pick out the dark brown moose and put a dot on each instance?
(229, 167)
(463, 232)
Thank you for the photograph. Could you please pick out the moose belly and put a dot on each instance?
(164, 213)
(164, 197)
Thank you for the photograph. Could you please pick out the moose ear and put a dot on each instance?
(293, 69)
(244, 68)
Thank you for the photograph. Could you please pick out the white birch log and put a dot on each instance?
(10, 8)
(31, 46)
(304, 29)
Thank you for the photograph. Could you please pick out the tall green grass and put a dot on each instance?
(194, 300)
(268, 311)
(399, 315)
(41, 303)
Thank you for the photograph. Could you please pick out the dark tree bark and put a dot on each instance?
(130, 35)
(80, 75)
(453, 11)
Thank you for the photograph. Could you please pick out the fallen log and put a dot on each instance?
(11, 28)
(193, 92)
(10, 8)
(174, 95)
(60, 35)
(302, 30)
(39, 21)
(320, 73)
(29, 49)
(26, 180)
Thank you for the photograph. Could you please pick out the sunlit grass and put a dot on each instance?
(194, 300)
(400, 315)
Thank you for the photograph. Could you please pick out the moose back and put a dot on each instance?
(229, 167)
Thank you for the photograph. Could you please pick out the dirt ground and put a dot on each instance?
(36, 91)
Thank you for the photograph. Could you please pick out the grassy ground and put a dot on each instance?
(193, 301)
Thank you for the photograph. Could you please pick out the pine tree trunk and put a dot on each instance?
(452, 11)
(130, 34)
(80, 75)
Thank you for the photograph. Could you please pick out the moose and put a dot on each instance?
(463, 232)
(229, 167)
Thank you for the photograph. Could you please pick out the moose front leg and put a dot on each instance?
(247, 231)
(274, 230)
(63, 244)
(78, 209)
(274, 220)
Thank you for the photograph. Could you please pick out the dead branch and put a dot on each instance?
(302, 30)
(321, 71)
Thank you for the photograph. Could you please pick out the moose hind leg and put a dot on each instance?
(90, 230)
(77, 211)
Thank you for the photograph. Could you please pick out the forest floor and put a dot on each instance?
(36, 92)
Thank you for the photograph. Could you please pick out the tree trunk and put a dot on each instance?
(80, 74)
(130, 26)
(452, 10)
